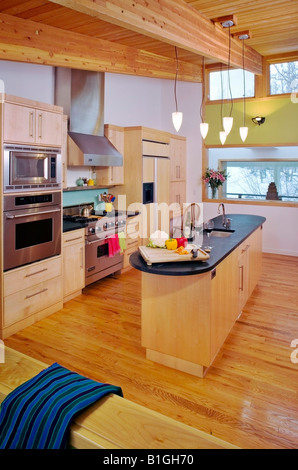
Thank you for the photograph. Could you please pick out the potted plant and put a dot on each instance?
(214, 178)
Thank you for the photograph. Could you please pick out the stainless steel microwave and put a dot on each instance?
(29, 168)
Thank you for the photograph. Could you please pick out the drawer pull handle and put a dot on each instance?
(36, 293)
(73, 239)
(36, 272)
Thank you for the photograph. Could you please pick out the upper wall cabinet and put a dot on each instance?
(32, 125)
(178, 158)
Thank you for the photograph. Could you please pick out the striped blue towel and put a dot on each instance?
(38, 413)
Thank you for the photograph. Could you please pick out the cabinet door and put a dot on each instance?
(178, 159)
(163, 176)
(73, 262)
(148, 169)
(177, 192)
(18, 123)
(255, 258)
(243, 274)
(48, 128)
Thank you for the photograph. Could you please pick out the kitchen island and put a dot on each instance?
(189, 308)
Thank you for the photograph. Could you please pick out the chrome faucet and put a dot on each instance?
(224, 222)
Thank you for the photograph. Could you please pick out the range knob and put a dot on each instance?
(91, 230)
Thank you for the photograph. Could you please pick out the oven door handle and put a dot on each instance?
(96, 241)
(13, 216)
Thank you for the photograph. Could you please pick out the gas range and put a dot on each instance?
(99, 224)
(101, 257)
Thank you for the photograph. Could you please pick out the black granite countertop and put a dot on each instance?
(70, 225)
(243, 226)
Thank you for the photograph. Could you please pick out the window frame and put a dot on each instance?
(221, 198)
(216, 68)
(277, 60)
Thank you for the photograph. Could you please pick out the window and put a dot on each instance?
(252, 170)
(219, 84)
(251, 180)
(283, 77)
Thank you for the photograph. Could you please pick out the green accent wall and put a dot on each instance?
(280, 127)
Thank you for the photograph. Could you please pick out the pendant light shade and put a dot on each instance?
(243, 133)
(227, 123)
(177, 120)
(204, 127)
(222, 136)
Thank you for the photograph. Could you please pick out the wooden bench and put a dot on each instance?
(113, 422)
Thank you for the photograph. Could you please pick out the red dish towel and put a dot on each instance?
(114, 246)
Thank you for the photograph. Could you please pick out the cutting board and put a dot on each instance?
(163, 255)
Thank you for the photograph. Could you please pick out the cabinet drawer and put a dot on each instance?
(156, 149)
(31, 275)
(133, 227)
(132, 242)
(33, 299)
(73, 237)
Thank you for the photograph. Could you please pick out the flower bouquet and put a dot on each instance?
(214, 178)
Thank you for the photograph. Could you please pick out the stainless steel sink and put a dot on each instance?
(221, 233)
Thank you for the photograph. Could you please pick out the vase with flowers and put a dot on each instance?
(214, 178)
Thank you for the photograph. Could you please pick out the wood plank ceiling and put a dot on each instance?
(139, 36)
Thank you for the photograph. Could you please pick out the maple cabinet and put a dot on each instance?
(31, 293)
(31, 125)
(177, 174)
(189, 308)
(73, 263)
(132, 232)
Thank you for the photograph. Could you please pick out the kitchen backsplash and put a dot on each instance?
(71, 198)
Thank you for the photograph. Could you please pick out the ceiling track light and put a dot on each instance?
(226, 21)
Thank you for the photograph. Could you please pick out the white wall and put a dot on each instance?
(149, 102)
(280, 229)
(35, 82)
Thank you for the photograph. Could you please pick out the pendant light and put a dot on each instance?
(228, 120)
(244, 129)
(176, 116)
(204, 126)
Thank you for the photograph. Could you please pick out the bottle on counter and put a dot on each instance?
(189, 229)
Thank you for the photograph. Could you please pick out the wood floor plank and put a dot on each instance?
(249, 395)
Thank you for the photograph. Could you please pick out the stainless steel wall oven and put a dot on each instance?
(31, 228)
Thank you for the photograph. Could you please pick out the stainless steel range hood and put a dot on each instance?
(81, 94)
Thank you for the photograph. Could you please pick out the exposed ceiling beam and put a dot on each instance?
(28, 41)
(171, 21)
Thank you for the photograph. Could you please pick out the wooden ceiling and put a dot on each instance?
(138, 37)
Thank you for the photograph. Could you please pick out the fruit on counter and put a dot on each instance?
(181, 251)
(90, 182)
(171, 244)
(182, 241)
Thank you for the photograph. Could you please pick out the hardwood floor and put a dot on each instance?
(249, 395)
